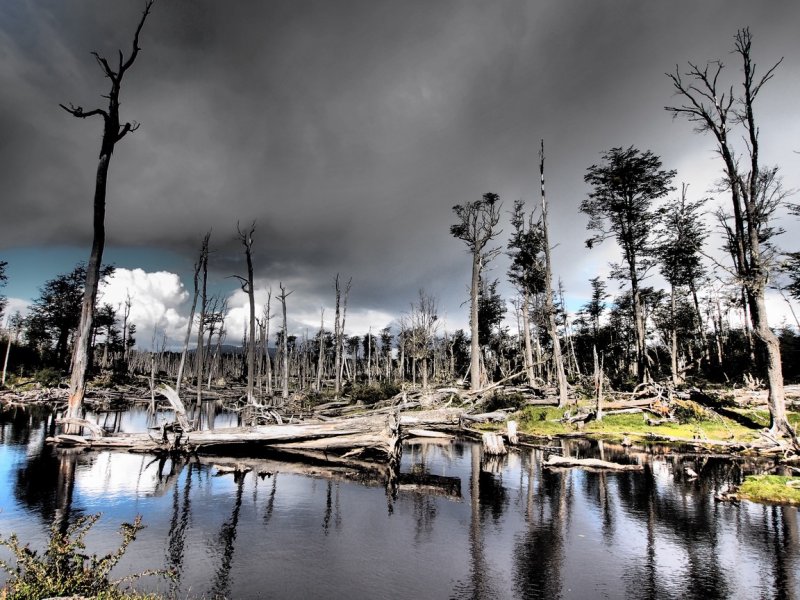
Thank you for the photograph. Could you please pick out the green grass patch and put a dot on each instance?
(542, 421)
(771, 489)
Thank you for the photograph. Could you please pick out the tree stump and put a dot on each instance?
(511, 433)
(493, 444)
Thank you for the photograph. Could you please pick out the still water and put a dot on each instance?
(477, 529)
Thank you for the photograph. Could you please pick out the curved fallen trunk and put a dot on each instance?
(588, 463)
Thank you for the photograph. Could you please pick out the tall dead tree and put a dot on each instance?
(187, 337)
(113, 132)
(267, 359)
(713, 107)
(338, 332)
(284, 344)
(199, 355)
(321, 356)
(246, 238)
(550, 313)
(477, 226)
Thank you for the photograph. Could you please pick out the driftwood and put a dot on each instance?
(589, 463)
(94, 428)
(373, 436)
(497, 416)
(180, 411)
(428, 433)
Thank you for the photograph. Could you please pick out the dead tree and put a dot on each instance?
(284, 344)
(338, 333)
(246, 237)
(267, 359)
(477, 222)
(184, 353)
(113, 132)
(321, 356)
(715, 108)
(549, 310)
(423, 323)
(199, 356)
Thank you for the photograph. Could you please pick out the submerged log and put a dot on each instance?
(589, 463)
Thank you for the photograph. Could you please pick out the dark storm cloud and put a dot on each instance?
(348, 130)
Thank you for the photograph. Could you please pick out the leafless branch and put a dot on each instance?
(77, 111)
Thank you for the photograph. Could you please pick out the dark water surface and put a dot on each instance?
(480, 529)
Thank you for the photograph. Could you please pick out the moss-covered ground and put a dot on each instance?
(734, 424)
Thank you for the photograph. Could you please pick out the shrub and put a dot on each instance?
(497, 401)
(47, 377)
(370, 394)
(63, 569)
(688, 411)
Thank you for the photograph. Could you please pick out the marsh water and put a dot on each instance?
(500, 528)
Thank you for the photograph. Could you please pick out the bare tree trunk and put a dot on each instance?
(337, 340)
(474, 346)
(673, 339)
(321, 357)
(268, 363)
(5, 360)
(185, 351)
(246, 237)
(341, 331)
(526, 332)
(201, 325)
(285, 390)
(558, 358)
(598, 385)
(125, 316)
(369, 356)
(113, 132)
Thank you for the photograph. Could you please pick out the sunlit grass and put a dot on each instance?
(770, 489)
(546, 421)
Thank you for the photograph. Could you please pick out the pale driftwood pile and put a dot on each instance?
(554, 461)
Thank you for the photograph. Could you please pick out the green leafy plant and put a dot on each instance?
(64, 569)
(370, 394)
(48, 377)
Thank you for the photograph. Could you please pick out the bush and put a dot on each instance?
(688, 411)
(371, 394)
(63, 569)
(497, 401)
(47, 377)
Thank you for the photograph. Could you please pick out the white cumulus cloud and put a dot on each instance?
(157, 301)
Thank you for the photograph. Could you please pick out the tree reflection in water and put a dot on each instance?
(538, 552)
(227, 537)
(521, 532)
(179, 522)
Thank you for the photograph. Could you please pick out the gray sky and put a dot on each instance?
(348, 130)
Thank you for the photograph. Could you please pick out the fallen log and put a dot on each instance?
(427, 433)
(554, 461)
(497, 416)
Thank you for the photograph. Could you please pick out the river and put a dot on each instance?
(500, 528)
